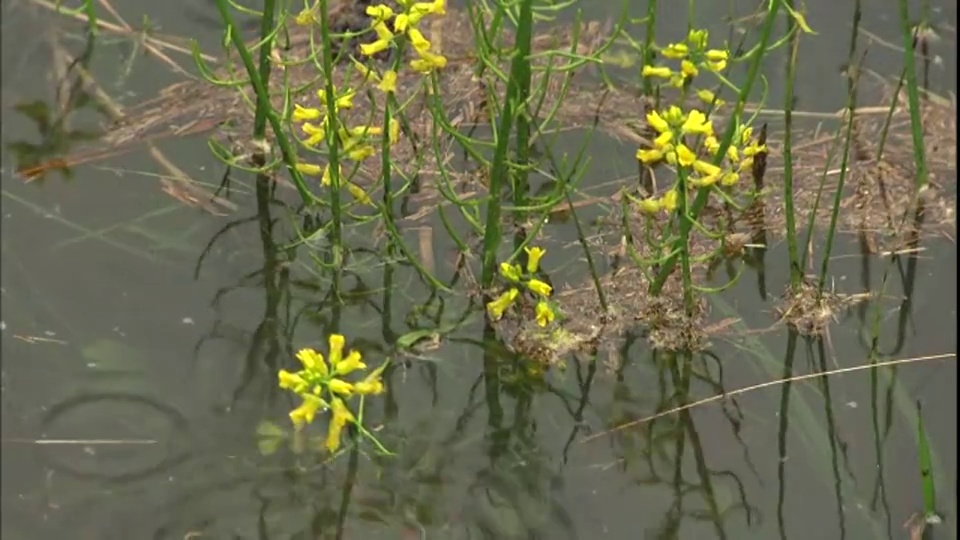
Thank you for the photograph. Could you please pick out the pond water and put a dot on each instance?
(141, 340)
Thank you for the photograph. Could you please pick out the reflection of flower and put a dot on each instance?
(545, 313)
(322, 378)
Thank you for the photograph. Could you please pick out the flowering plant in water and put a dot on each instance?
(324, 385)
(524, 278)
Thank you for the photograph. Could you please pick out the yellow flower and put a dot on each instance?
(649, 156)
(657, 122)
(360, 152)
(292, 381)
(663, 140)
(676, 51)
(697, 39)
(650, 206)
(312, 361)
(709, 98)
(371, 384)
(510, 271)
(711, 144)
(328, 176)
(706, 169)
(336, 342)
(428, 61)
(384, 38)
(534, 255)
(697, 124)
(503, 302)
(545, 314)
(309, 169)
(539, 287)
(316, 134)
(304, 113)
(305, 17)
(660, 72)
(689, 69)
(344, 101)
(338, 386)
(730, 179)
(717, 55)
(341, 415)
(359, 194)
(717, 66)
(380, 12)
(307, 411)
(394, 129)
(685, 156)
(670, 200)
(389, 82)
(351, 363)
(674, 116)
(419, 42)
(703, 181)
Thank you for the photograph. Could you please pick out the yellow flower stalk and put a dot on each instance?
(540, 288)
(534, 255)
(503, 302)
(545, 314)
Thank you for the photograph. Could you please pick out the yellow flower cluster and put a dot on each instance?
(693, 55)
(321, 385)
(405, 23)
(672, 127)
(354, 142)
(516, 275)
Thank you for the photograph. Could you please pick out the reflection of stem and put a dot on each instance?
(880, 488)
(491, 381)
(832, 435)
(782, 433)
(348, 484)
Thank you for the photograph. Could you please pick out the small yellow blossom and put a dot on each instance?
(359, 194)
(292, 381)
(660, 72)
(428, 61)
(534, 255)
(338, 386)
(689, 69)
(380, 12)
(335, 354)
(657, 122)
(503, 302)
(301, 114)
(697, 124)
(545, 314)
(670, 200)
(650, 206)
(649, 156)
(705, 168)
(685, 156)
(341, 415)
(730, 179)
(309, 169)
(389, 82)
(305, 413)
(539, 287)
(663, 140)
(709, 97)
(351, 363)
(371, 384)
(312, 361)
(510, 271)
(676, 51)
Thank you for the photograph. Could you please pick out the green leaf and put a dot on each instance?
(409, 339)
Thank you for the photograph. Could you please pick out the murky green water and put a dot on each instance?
(130, 317)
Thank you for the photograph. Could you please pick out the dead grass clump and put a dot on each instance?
(809, 312)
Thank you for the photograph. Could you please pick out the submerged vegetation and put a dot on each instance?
(477, 121)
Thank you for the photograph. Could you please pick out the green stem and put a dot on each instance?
(913, 98)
